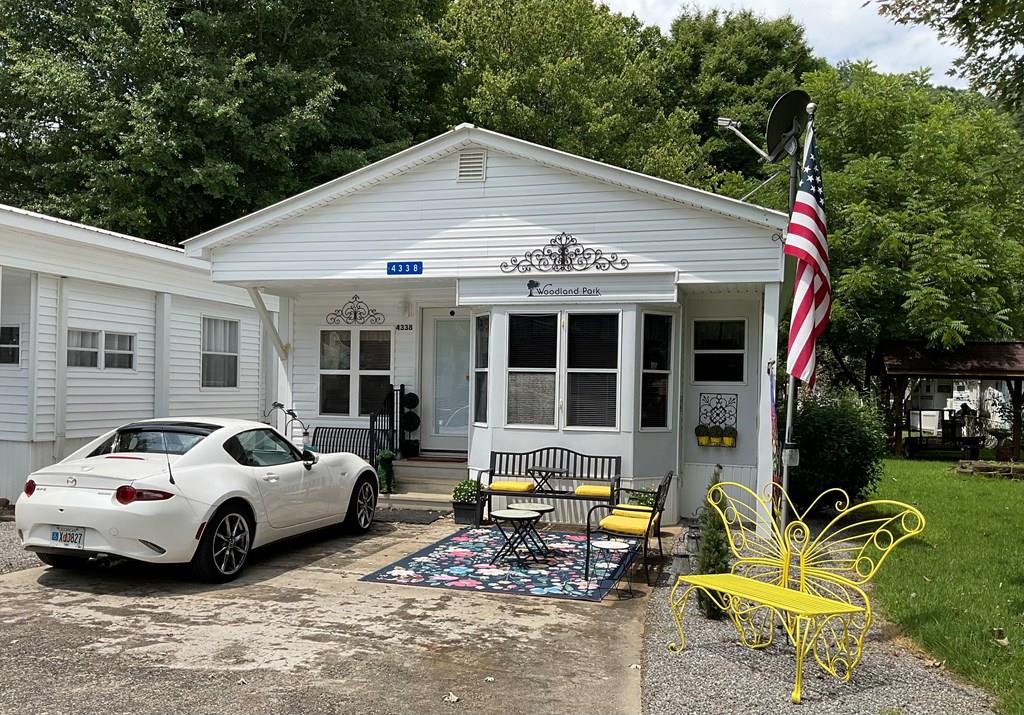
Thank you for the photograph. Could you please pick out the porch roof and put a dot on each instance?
(975, 360)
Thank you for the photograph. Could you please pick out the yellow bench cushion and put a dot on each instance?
(635, 511)
(625, 525)
(511, 486)
(594, 490)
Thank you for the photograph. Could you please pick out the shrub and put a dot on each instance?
(643, 497)
(464, 492)
(713, 555)
(842, 441)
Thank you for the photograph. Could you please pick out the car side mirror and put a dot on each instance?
(309, 458)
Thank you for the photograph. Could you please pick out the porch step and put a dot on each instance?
(429, 477)
(416, 500)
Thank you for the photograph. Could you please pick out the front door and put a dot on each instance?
(445, 393)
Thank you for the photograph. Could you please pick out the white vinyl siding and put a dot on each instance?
(468, 228)
(99, 399)
(46, 357)
(186, 395)
(15, 310)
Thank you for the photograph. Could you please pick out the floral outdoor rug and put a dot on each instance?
(462, 562)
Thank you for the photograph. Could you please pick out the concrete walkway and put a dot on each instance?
(298, 633)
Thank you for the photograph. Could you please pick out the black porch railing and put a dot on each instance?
(384, 429)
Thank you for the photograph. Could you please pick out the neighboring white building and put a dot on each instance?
(531, 298)
(98, 329)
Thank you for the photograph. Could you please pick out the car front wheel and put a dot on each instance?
(361, 507)
(225, 546)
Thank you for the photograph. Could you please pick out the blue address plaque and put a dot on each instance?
(405, 268)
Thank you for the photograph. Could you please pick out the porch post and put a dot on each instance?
(766, 400)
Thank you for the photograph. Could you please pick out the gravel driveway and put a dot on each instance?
(12, 556)
(716, 675)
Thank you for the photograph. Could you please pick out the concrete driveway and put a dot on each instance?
(298, 633)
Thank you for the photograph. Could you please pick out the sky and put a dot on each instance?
(837, 29)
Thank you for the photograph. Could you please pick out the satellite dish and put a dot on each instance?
(785, 124)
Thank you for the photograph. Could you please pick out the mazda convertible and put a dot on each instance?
(198, 491)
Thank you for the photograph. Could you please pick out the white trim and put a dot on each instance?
(474, 370)
(769, 354)
(33, 368)
(545, 370)
(60, 397)
(17, 364)
(468, 135)
(694, 351)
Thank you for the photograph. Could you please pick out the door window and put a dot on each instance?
(261, 448)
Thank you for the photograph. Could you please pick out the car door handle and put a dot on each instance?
(270, 477)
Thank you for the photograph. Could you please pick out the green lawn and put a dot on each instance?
(963, 576)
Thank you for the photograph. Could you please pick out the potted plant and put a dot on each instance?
(410, 448)
(729, 436)
(715, 435)
(702, 435)
(464, 502)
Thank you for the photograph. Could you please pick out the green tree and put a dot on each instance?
(164, 118)
(989, 32)
(925, 219)
(573, 75)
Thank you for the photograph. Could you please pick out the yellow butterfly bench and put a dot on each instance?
(809, 583)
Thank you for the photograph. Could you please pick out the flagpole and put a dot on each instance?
(790, 451)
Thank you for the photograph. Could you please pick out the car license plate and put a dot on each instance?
(68, 537)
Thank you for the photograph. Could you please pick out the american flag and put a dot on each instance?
(807, 242)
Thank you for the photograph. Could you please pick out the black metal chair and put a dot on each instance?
(632, 520)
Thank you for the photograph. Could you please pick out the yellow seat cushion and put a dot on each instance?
(594, 490)
(625, 525)
(511, 486)
(634, 511)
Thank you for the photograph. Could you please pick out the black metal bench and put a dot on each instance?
(357, 440)
(601, 472)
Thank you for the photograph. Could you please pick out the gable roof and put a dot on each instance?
(469, 135)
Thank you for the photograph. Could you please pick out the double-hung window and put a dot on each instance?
(219, 352)
(481, 335)
(10, 345)
(83, 348)
(532, 369)
(655, 370)
(589, 370)
(592, 370)
(719, 351)
(355, 371)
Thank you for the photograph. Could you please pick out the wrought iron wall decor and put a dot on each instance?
(718, 408)
(564, 254)
(355, 312)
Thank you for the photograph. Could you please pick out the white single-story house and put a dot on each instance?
(530, 298)
(98, 329)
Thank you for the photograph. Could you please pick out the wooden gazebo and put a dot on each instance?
(904, 360)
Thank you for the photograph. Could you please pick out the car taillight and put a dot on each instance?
(30, 488)
(127, 494)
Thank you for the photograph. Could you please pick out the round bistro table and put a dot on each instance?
(516, 527)
(534, 534)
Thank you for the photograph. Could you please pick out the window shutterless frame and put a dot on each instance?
(566, 371)
(354, 371)
(673, 358)
(481, 366)
(694, 351)
(96, 349)
(238, 343)
(509, 370)
(10, 346)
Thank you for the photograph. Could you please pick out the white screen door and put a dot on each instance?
(446, 375)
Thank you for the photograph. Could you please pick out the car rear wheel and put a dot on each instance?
(61, 561)
(225, 546)
(361, 507)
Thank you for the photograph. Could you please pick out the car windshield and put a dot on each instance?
(149, 440)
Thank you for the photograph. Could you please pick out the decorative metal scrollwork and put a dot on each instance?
(564, 254)
(355, 312)
(718, 408)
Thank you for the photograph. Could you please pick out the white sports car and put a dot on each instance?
(200, 491)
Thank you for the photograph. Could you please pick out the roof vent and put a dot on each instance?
(472, 165)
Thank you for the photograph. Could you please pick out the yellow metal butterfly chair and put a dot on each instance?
(809, 583)
(634, 520)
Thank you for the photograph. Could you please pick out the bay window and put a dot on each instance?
(355, 371)
(655, 370)
(592, 367)
(481, 336)
(532, 366)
